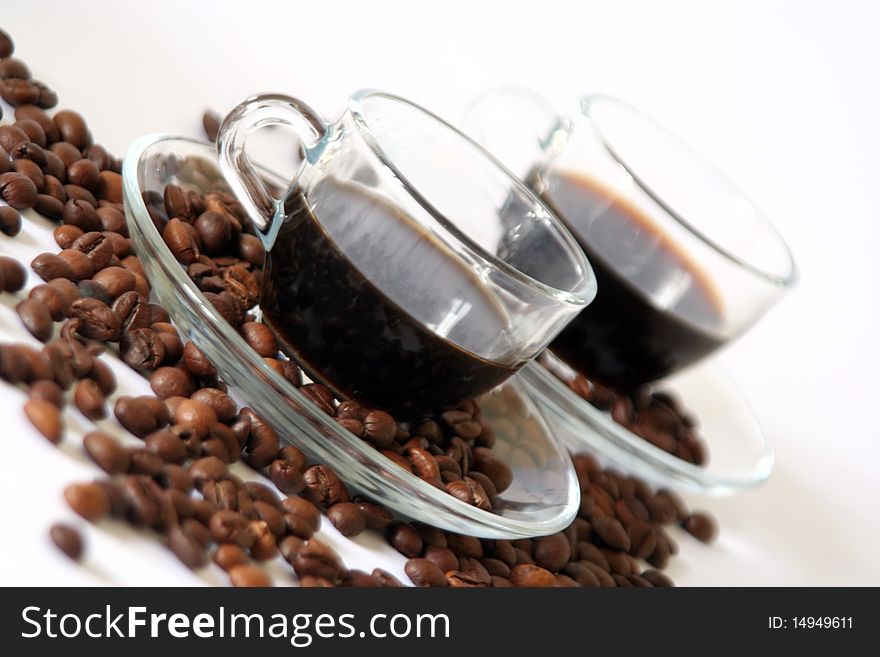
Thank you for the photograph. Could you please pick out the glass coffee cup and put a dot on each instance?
(683, 260)
(400, 268)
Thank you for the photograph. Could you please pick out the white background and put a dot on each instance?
(783, 96)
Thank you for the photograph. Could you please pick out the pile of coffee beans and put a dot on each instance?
(654, 415)
(176, 479)
(620, 526)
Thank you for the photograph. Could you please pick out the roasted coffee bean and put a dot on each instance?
(84, 173)
(618, 561)
(272, 516)
(89, 399)
(611, 533)
(195, 414)
(260, 338)
(19, 91)
(262, 444)
(349, 409)
(531, 576)
(142, 349)
(351, 425)
(180, 241)
(701, 526)
(552, 552)
(45, 417)
(398, 460)
(12, 274)
(219, 401)
(80, 212)
(379, 428)
(90, 290)
(462, 424)
(210, 120)
(215, 231)
(116, 280)
(405, 539)
(140, 415)
(244, 576)
(7, 46)
(177, 203)
(97, 321)
(376, 516)
(107, 452)
(317, 559)
(465, 546)
(443, 557)
(48, 391)
(50, 265)
(286, 477)
(176, 477)
(286, 369)
(38, 116)
(79, 263)
(304, 510)
(55, 303)
(67, 539)
(49, 206)
(321, 396)
(470, 492)
(18, 190)
(208, 468)
(197, 362)
(89, 500)
(36, 318)
(494, 468)
(30, 169)
(143, 506)
(657, 578)
(231, 527)
(323, 486)
(475, 570)
(72, 128)
(264, 546)
(187, 548)
(424, 466)
(425, 573)
(98, 247)
(167, 446)
(347, 518)
(33, 130)
(56, 357)
(229, 555)
(103, 376)
(172, 382)
(145, 462)
(14, 68)
(133, 312)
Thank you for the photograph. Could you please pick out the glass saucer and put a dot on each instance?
(739, 455)
(544, 496)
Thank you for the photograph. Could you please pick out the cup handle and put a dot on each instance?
(515, 124)
(257, 112)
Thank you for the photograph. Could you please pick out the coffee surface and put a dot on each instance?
(376, 308)
(655, 310)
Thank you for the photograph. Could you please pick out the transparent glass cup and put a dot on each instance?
(401, 268)
(683, 260)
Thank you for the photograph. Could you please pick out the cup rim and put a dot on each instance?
(786, 280)
(584, 292)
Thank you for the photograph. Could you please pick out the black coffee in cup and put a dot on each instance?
(344, 265)
(626, 338)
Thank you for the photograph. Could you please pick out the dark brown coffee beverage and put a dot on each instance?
(655, 311)
(344, 284)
